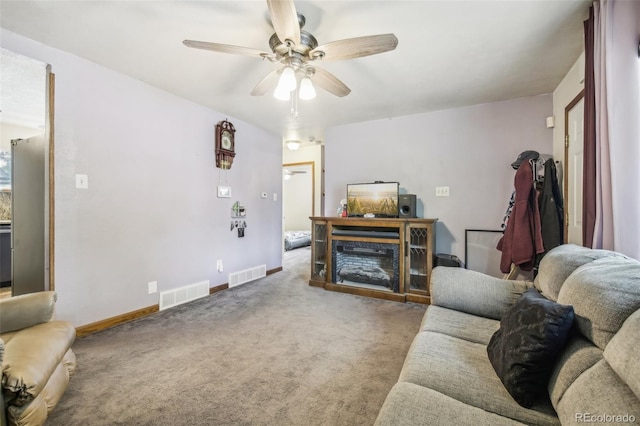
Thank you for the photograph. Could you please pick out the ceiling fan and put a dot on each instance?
(298, 50)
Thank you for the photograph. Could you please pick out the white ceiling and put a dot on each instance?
(450, 53)
(22, 90)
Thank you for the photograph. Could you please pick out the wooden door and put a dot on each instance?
(574, 154)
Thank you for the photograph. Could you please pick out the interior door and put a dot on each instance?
(28, 214)
(574, 154)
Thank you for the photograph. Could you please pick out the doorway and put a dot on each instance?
(298, 200)
(573, 160)
(26, 175)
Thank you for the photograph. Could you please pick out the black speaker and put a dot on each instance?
(441, 259)
(407, 205)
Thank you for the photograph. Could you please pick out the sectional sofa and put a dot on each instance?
(564, 349)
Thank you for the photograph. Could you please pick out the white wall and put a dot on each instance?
(151, 211)
(470, 150)
(9, 131)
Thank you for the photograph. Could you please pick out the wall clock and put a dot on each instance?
(225, 144)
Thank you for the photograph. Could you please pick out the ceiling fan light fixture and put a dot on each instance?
(282, 94)
(307, 91)
(293, 145)
(287, 79)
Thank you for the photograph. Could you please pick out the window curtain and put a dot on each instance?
(616, 97)
(589, 153)
(603, 226)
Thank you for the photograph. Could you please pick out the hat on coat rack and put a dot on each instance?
(524, 156)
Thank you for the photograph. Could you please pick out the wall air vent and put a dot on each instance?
(178, 296)
(241, 277)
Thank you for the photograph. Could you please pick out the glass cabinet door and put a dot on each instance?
(319, 251)
(419, 262)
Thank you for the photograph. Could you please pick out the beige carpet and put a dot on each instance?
(271, 352)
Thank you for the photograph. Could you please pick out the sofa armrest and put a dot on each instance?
(473, 292)
(26, 310)
(31, 356)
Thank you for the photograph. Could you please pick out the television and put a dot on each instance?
(379, 199)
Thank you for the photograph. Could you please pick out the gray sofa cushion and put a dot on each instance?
(459, 324)
(560, 262)
(578, 356)
(598, 392)
(532, 333)
(461, 370)
(622, 352)
(409, 405)
(473, 292)
(604, 293)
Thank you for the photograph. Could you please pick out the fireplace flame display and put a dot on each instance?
(371, 264)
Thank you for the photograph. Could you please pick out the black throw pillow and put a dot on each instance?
(523, 350)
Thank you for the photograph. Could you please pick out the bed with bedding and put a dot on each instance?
(296, 239)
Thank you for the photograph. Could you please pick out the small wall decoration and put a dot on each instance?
(225, 144)
(237, 210)
(238, 214)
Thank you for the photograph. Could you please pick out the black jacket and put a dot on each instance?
(551, 209)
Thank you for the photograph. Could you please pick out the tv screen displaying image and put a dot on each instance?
(379, 199)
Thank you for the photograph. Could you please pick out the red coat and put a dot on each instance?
(522, 238)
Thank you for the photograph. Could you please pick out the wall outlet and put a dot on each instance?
(442, 191)
(152, 287)
(219, 265)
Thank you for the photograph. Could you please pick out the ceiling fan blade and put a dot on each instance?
(284, 19)
(227, 48)
(330, 82)
(267, 83)
(355, 47)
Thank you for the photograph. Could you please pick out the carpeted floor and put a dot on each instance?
(271, 352)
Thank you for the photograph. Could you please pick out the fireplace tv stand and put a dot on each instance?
(391, 258)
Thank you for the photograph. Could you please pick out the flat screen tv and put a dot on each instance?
(379, 199)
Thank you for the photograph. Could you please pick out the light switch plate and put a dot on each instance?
(442, 191)
(224, 191)
(82, 181)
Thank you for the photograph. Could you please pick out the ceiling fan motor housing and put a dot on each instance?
(307, 43)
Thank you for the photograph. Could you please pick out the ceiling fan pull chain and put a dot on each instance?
(294, 102)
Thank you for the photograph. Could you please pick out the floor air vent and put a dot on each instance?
(178, 296)
(241, 277)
